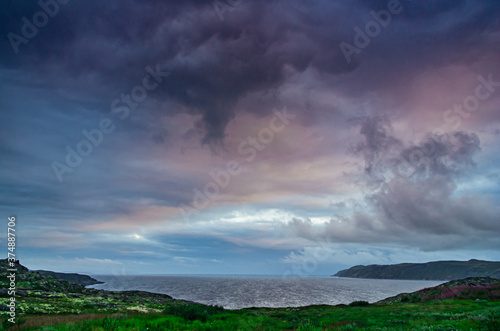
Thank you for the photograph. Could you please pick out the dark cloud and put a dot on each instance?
(447, 154)
(214, 63)
(427, 215)
(418, 10)
(377, 141)
(420, 206)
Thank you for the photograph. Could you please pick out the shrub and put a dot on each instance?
(193, 312)
(359, 303)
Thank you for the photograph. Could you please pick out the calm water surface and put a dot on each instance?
(234, 292)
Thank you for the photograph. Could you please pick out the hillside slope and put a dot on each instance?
(71, 277)
(473, 288)
(439, 270)
(38, 293)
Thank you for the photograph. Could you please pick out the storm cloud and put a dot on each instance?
(368, 159)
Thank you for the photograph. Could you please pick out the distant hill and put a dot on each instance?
(439, 270)
(72, 278)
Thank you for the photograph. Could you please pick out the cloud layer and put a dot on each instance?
(382, 154)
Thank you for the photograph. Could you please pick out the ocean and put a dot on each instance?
(235, 292)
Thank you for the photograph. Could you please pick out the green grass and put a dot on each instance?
(442, 315)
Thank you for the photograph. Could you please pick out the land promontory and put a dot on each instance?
(438, 270)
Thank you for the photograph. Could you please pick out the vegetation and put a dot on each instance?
(473, 288)
(440, 270)
(72, 278)
(359, 303)
(48, 303)
(446, 315)
(44, 294)
(193, 312)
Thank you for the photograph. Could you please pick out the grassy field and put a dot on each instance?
(436, 315)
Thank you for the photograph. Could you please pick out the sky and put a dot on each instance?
(291, 138)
